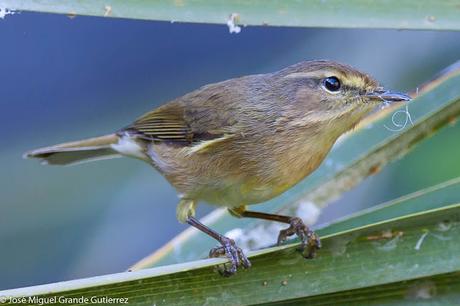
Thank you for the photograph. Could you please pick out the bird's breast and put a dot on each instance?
(238, 174)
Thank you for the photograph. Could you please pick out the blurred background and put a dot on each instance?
(67, 78)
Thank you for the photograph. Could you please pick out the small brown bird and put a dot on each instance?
(242, 141)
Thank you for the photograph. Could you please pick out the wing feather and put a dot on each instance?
(169, 124)
(201, 116)
(165, 124)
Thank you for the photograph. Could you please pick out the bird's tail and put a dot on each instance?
(78, 151)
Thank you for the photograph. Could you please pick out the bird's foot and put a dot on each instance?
(309, 240)
(234, 254)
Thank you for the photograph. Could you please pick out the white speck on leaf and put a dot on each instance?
(338, 246)
(422, 291)
(4, 12)
(444, 226)
(232, 23)
(390, 245)
(431, 19)
(387, 234)
(441, 237)
(107, 10)
(418, 245)
(211, 300)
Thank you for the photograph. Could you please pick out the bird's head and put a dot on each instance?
(327, 92)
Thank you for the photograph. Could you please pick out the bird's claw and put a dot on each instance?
(234, 254)
(308, 239)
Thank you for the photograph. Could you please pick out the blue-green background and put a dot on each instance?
(63, 79)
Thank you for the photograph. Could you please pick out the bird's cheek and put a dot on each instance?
(305, 96)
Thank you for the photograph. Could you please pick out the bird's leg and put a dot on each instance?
(309, 240)
(185, 214)
(228, 248)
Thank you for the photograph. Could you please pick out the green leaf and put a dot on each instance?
(393, 14)
(413, 203)
(352, 266)
(443, 289)
(360, 154)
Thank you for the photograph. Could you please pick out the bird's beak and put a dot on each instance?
(387, 96)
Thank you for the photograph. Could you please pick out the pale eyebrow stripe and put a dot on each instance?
(324, 74)
(315, 74)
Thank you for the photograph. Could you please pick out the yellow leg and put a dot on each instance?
(185, 209)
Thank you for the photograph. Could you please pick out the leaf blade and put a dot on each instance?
(422, 14)
(349, 261)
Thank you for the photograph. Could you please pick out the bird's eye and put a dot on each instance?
(331, 84)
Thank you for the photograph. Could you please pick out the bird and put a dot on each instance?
(241, 142)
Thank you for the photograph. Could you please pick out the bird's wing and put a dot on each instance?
(177, 124)
(165, 124)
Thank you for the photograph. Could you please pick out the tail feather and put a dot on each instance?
(78, 151)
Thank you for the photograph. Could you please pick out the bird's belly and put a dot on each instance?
(249, 190)
(231, 193)
(231, 180)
